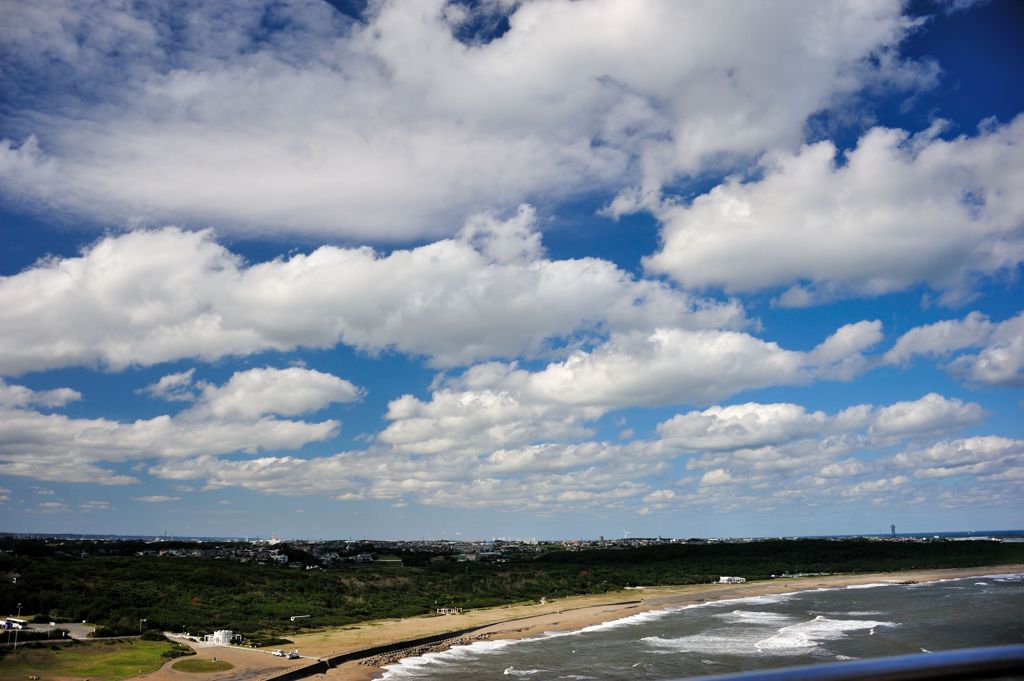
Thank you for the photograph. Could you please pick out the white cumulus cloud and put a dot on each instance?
(153, 296)
(896, 211)
(988, 458)
(228, 419)
(1000, 360)
(210, 118)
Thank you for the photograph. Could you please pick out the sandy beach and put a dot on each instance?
(527, 620)
(517, 621)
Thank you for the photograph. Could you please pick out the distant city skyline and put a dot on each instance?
(544, 269)
(1016, 535)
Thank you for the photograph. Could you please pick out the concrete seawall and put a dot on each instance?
(326, 663)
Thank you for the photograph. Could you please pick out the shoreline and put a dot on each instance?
(578, 612)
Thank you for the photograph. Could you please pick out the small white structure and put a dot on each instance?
(221, 637)
(449, 611)
(732, 580)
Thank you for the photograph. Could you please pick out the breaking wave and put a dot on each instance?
(807, 635)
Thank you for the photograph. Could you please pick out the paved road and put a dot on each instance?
(76, 629)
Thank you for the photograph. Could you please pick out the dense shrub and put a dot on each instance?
(177, 650)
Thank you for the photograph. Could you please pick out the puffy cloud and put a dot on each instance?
(900, 210)
(156, 499)
(498, 406)
(848, 341)
(749, 456)
(741, 425)
(227, 419)
(69, 468)
(941, 338)
(252, 394)
(931, 413)
(841, 356)
(716, 477)
(988, 458)
(548, 457)
(455, 482)
(173, 387)
(843, 469)
(871, 487)
(472, 421)
(775, 452)
(999, 362)
(152, 296)
(18, 396)
(667, 366)
(209, 117)
(501, 406)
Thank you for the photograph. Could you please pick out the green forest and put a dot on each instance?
(199, 595)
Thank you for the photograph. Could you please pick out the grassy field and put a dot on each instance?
(202, 666)
(98, 661)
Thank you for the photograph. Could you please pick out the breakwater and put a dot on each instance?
(398, 650)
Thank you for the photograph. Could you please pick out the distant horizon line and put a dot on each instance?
(254, 538)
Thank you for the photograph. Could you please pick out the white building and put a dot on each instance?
(221, 637)
(732, 580)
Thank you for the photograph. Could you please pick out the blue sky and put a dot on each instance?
(543, 269)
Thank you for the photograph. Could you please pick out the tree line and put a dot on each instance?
(117, 592)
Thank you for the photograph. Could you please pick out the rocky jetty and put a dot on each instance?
(395, 656)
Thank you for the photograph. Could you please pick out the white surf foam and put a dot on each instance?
(409, 666)
(756, 600)
(808, 635)
(1007, 578)
(698, 643)
(629, 620)
(512, 671)
(707, 644)
(754, 617)
(999, 577)
(653, 615)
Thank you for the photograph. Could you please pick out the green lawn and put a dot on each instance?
(98, 661)
(202, 666)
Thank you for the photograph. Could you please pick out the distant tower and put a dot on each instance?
(892, 528)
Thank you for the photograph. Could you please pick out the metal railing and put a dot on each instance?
(948, 665)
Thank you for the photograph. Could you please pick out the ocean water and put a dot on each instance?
(750, 633)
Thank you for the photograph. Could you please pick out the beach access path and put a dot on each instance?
(531, 619)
